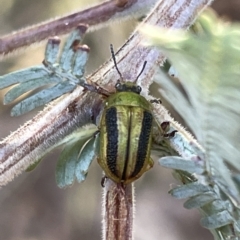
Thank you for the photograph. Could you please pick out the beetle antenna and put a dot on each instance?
(114, 60)
(144, 65)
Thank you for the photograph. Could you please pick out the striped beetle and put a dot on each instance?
(125, 129)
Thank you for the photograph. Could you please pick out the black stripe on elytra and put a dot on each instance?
(112, 138)
(143, 142)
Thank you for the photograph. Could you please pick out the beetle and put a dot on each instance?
(125, 129)
(126, 134)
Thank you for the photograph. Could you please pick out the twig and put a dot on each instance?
(118, 210)
(94, 16)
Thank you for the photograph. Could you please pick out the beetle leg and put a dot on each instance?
(171, 134)
(166, 127)
(156, 100)
(103, 181)
(96, 89)
(89, 87)
(150, 163)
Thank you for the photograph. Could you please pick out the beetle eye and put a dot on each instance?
(138, 89)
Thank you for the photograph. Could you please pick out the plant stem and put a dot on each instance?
(96, 15)
(117, 211)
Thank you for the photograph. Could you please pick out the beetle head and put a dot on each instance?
(127, 86)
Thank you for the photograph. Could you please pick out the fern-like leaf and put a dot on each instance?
(59, 77)
(208, 69)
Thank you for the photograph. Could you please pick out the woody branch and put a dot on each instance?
(40, 134)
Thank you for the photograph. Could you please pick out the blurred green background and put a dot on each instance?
(32, 207)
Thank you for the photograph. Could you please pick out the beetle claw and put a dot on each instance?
(156, 100)
(103, 181)
(171, 134)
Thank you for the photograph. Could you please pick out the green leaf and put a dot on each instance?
(69, 158)
(85, 132)
(217, 220)
(88, 153)
(179, 163)
(28, 86)
(81, 57)
(200, 200)
(33, 166)
(24, 75)
(207, 65)
(208, 69)
(63, 76)
(52, 50)
(41, 98)
(66, 166)
(189, 190)
(67, 56)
